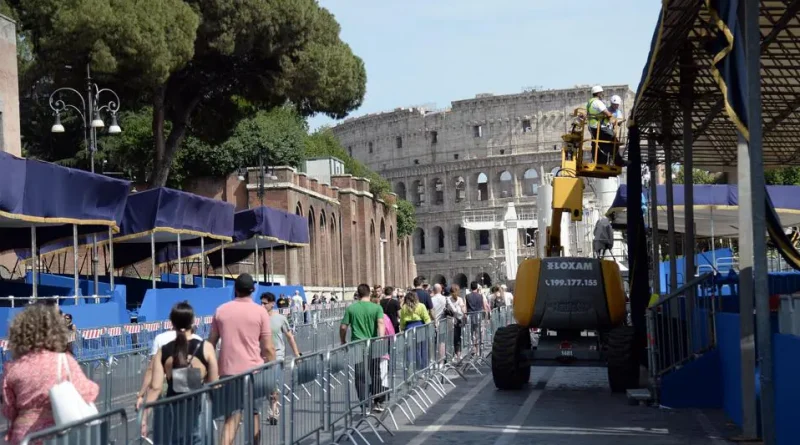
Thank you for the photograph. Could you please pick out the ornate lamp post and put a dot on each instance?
(90, 110)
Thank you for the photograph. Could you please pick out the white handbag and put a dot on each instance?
(65, 401)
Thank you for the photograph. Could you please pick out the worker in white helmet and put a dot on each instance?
(598, 119)
(619, 117)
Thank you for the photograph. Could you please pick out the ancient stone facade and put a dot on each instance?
(465, 162)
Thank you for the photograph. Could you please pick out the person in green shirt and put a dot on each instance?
(365, 320)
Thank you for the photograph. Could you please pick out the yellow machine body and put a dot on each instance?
(569, 293)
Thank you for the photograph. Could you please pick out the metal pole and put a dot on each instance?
(153, 258)
(75, 278)
(180, 264)
(713, 243)
(671, 243)
(271, 265)
(286, 265)
(758, 199)
(746, 322)
(92, 150)
(34, 263)
(651, 146)
(111, 257)
(223, 263)
(203, 261)
(255, 260)
(261, 179)
(687, 76)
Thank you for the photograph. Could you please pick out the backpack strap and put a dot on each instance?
(194, 354)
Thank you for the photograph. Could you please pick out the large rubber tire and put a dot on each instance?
(510, 370)
(623, 369)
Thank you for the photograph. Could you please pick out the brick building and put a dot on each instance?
(353, 235)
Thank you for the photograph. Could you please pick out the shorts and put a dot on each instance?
(230, 397)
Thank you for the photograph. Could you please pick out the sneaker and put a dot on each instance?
(378, 407)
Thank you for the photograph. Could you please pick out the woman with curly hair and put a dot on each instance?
(36, 337)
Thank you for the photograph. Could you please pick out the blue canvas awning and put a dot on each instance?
(715, 207)
(264, 227)
(53, 198)
(165, 214)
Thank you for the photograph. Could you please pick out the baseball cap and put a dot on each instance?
(244, 282)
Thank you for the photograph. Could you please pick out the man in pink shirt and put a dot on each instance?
(246, 342)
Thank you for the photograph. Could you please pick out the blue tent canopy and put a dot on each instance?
(264, 227)
(53, 198)
(165, 214)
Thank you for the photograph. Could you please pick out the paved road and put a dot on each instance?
(562, 406)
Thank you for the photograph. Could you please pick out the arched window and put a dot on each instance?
(530, 182)
(438, 191)
(483, 240)
(506, 185)
(483, 187)
(439, 234)
(418, 193)
(461, 238)
(400, 190)
(484, 279)
(419, 241)
(461, 189)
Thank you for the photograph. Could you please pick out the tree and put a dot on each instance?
(783, 176)
(406, 218)
(279, 135)
(323, 143)
(190, 59)
(698, 177)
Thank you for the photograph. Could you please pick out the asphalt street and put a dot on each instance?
(561, 406)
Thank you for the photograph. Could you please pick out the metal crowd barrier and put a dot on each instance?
(95, 430)
(679, 328)
(102, 343)
(330, 392)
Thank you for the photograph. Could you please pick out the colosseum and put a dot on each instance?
(462, 166)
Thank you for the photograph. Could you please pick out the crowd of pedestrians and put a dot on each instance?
(243, 336)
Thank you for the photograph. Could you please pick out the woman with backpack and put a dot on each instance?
(186, 363)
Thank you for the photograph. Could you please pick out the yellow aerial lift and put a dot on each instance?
(578, 304)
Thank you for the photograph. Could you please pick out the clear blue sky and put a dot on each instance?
(436, 51)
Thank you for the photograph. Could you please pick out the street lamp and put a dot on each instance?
(90, 108)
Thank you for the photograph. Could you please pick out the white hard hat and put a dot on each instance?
(616, 100)
(597, 89)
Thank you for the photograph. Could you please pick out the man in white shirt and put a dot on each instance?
(297, 301)
(507, 296)
(439, 302)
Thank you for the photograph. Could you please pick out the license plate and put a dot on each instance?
(566, 352)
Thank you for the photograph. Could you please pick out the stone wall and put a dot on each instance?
(476, 156)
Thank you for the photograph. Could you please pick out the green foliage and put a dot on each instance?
(192, 60)
(143, 42)
(783, 176)
(279, 135)
(323, 143)
(699, 177)
(406, 219)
